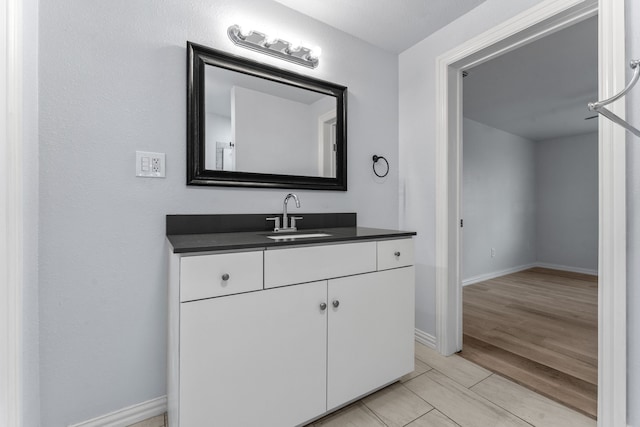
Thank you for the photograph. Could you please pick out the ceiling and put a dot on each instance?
(541, 90)
(538, 91)
(219, 81)
(391, 25)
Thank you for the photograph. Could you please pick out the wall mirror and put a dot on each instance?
(254, 125)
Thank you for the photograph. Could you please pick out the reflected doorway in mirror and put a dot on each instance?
(225, 158)
(327, 144)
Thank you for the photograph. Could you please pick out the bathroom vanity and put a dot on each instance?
(266, 330)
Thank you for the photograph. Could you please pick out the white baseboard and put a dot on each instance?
(567, 268)
(130, 415)
(425, 338)
(493, 275)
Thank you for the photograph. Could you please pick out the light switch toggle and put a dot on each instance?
(150, 165)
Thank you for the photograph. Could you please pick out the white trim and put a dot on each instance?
(567, 268)
(539, 21)
(11, 218)
(323, 120)
(425, 338)
(612, 253)
(129, 415)
(488, 276)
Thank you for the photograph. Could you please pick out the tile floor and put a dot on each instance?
(447, 392)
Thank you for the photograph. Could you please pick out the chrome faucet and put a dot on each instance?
(285, 218)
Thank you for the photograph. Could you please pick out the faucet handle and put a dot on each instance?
(293, 221)
(276, 220)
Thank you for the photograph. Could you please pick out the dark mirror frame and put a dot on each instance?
(198, 57)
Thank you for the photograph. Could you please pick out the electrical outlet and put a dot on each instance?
(150, 165)
(493, 252)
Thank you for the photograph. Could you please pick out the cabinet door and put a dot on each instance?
(255, 359)
(371, 332)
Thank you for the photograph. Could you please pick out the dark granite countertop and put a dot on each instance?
(185, 243)
(225, 232)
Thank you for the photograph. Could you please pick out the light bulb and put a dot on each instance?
(271, 38)
(295, 45)
(315, 53)
(244, 32)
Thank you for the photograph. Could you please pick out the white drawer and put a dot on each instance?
(310, 263)
(395, 253)
(206, 276)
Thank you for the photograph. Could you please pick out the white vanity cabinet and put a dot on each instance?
(370, 332)
(256, 359)
(302, 330)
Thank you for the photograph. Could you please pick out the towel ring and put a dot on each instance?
(375, 160)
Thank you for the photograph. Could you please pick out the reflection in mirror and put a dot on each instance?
(255, 125)
(262, 126)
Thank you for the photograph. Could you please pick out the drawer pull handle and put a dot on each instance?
(397, 253)
(336, 303)
(225, 277)
(323, 306)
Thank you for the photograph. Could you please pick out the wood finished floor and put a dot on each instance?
(447, 392)
(539, 328)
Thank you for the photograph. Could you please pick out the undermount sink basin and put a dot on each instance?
(297, 236)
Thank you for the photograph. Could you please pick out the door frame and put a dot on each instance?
(11, 215)
(325, 121)
(541, 20)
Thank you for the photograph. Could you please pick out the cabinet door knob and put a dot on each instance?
(397, 253)
(323, 306)
(225, 277)
(336, 303)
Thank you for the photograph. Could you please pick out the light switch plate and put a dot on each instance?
(150, 165)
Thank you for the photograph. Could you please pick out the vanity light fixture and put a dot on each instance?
(274, 46)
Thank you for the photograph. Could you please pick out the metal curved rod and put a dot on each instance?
(595, 106)
(617, 119)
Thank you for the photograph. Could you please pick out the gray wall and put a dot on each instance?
(567, 202)
(498, 203)
(417, 138)
(273, 134)
(536, 203)
(633, 223)
(113, 81)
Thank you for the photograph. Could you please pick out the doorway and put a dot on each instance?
(541, 20)
(530, 206)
